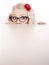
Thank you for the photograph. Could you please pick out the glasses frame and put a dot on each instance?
(10, 17)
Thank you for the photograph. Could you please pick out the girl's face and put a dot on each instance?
(19, 16)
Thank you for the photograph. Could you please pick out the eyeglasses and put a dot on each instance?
(21, 19)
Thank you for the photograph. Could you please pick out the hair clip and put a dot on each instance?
(27, 7)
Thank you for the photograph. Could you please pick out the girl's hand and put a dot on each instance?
(41, 23)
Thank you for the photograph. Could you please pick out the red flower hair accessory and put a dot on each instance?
(27, 7)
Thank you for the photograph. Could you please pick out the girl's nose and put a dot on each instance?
(18, 22)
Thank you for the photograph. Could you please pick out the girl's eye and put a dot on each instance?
(23, 17)
(14, 17)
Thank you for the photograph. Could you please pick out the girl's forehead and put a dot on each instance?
(20, 12)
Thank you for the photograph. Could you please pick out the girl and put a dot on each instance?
(22, 14)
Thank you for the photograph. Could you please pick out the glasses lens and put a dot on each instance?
(14, 18)
(23, 18)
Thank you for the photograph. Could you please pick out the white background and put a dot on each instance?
(41, 8)
(24, 44)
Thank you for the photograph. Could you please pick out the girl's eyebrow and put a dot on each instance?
(13, 14)
(23, 15)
